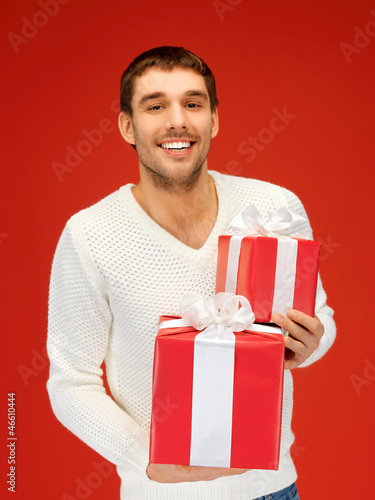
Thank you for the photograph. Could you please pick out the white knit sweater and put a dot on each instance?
(114, 273)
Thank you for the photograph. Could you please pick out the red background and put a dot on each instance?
(265, 55)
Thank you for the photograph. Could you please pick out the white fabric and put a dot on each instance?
(286, 262)
(213, 372)
(258, 327)
(111, 260)
(279, 224)
(233, 263)
(223, 308)
(212, 400)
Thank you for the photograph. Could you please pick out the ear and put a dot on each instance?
(214, 123)
(125, 124)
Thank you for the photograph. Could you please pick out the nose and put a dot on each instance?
(176, 118)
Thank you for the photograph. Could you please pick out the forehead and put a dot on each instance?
(173, 83)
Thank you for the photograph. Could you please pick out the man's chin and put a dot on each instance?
(176, 182)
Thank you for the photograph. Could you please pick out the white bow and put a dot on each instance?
(250, 222)
(227, 309)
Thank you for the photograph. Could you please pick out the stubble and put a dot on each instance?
(181, 180)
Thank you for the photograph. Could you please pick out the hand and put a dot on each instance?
(305, 333)
(164, 473)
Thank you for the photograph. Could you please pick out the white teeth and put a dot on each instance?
(175, 145)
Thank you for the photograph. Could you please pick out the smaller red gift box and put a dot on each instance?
(217, 402)
(274, 274)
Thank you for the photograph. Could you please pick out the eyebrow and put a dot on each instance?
(156, 95)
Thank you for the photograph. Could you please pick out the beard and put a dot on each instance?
(180, 179)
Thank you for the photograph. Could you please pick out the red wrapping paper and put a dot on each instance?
(257, 398)
(257, 270)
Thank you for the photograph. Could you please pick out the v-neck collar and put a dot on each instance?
(199, 257)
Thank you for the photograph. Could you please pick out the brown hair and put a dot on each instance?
(166, 58)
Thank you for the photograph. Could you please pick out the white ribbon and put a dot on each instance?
(233, 261)
(213, 371)
(285, 275)
(227, 309)
(249, 222)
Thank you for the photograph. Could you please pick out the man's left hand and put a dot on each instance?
(305, 333)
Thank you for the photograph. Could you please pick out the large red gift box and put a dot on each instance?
(274, 274)
(217, 398)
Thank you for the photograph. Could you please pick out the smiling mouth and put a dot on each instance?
(176, 146)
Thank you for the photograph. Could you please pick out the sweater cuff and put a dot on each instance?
(137, 458)
(317, 354)
(325, 342)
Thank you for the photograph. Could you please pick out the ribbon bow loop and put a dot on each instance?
(227, 309)
(280, 224)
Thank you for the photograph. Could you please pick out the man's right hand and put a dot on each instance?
(164, 473)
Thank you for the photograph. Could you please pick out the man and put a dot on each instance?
(123, 262)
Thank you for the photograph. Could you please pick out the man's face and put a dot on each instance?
(172, 126)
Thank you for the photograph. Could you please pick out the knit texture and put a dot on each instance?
(115, 271)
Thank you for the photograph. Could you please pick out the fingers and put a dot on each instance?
(305, 333)
(311, 324)
(164, 473)
(302, 327)
(199, 473)
(291, 360)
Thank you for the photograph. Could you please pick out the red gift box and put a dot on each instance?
(274, 274)
(217, 398)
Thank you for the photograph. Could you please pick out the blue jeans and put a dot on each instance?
(289, 493)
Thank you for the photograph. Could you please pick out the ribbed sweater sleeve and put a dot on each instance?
(78, 332)
(322, 310)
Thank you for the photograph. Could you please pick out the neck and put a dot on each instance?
(189, 215)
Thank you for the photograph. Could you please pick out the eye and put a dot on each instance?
(157, 107)
(192, 105)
